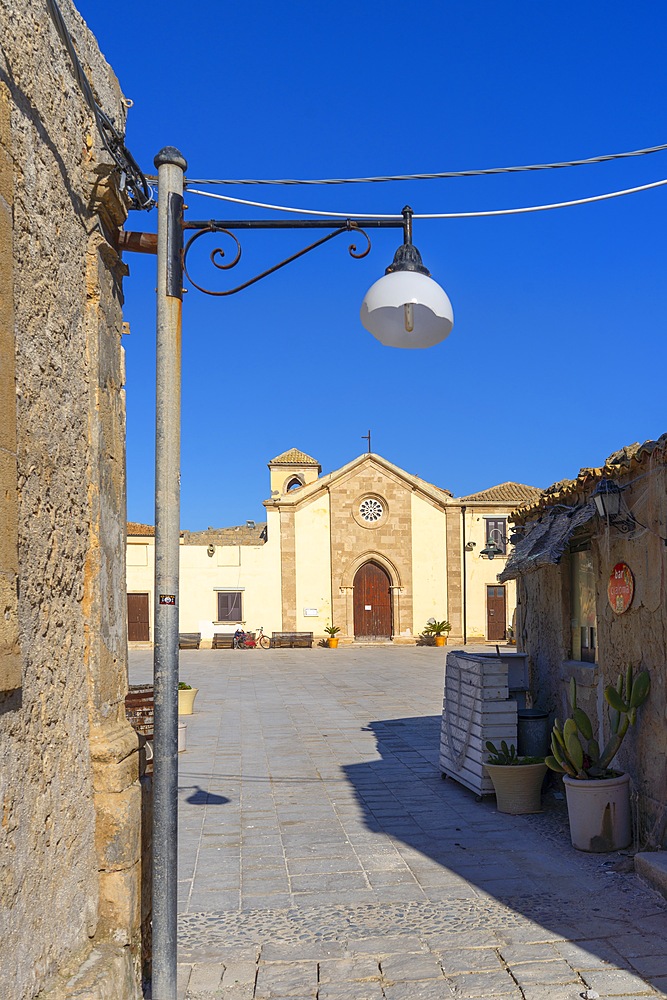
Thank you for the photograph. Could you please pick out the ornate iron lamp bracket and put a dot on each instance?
(218, 254)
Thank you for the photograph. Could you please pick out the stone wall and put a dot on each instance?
(70, 831)
(638, 638)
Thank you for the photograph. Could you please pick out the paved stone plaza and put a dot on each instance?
(323, 856)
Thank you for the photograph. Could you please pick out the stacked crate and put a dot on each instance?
(476, 708)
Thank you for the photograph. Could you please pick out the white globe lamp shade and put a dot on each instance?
(407, 309)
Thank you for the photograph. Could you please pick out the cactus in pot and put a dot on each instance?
(517, 780)
(574, 751)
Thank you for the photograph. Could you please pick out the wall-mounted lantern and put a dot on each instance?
(611, 506)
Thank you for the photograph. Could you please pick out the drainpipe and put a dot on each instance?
(463, 566)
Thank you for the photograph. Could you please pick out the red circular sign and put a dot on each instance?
(621, 588)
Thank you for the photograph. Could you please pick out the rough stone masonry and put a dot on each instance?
(70, 799)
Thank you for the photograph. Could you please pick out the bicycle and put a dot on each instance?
(248, 642)
(261, 639)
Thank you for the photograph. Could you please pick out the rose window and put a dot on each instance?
(371, 509)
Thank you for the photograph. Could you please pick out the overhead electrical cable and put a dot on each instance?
(141, 194)
(646, 151)
(132, 177)
(432, 215)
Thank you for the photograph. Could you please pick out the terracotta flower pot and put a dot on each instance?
(441, 640)
(599, 813)
(518, 787)
(332, 642)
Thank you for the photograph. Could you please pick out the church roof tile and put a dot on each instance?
(506, 493)
(294, 457)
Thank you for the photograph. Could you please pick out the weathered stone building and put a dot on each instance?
(70, 900)
(592, 600)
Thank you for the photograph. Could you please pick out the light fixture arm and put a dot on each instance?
(226, 227)
(405, 308)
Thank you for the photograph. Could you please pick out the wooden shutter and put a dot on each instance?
(229, 606)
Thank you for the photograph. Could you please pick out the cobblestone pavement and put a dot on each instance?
(323, 856)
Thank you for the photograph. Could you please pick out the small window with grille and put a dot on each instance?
(496, 531)
(229, 606)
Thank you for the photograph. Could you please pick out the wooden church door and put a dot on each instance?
(372, 603)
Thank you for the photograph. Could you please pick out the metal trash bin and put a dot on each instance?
(533, 732)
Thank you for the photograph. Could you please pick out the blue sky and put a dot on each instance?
(557, 355)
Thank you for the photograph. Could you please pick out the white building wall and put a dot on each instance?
(429, 563)
(482, 572)
(312, 526)
(140, 558)
(254, 570)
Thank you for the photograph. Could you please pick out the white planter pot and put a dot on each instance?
(599, 813)
(186, 700)
(182, 730)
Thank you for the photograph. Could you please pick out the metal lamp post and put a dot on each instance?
(171, 167)
(405, 308)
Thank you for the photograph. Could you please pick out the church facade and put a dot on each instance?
(369, 548)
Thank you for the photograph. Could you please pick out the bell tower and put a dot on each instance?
(292, 470)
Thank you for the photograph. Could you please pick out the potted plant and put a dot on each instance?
(186, 698)
(598, 797)
(332, 641)
(517, 781)
(439, 631)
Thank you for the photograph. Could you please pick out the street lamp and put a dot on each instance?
(492, 548)
(611, 506)
(405, 308)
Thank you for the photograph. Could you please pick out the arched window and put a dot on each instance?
(293, 484)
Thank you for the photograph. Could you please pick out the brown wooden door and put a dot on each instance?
(372, 603)
(138, 629)
(496, 616)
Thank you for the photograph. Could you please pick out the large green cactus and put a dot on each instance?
(573, 749)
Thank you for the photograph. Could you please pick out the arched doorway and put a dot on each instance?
(372, 603)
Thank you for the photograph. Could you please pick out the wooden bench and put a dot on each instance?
(223, 640)
(189, 640)
(291, 639)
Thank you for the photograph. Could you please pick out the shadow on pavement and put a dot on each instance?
(461, 849)
(203, 798)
